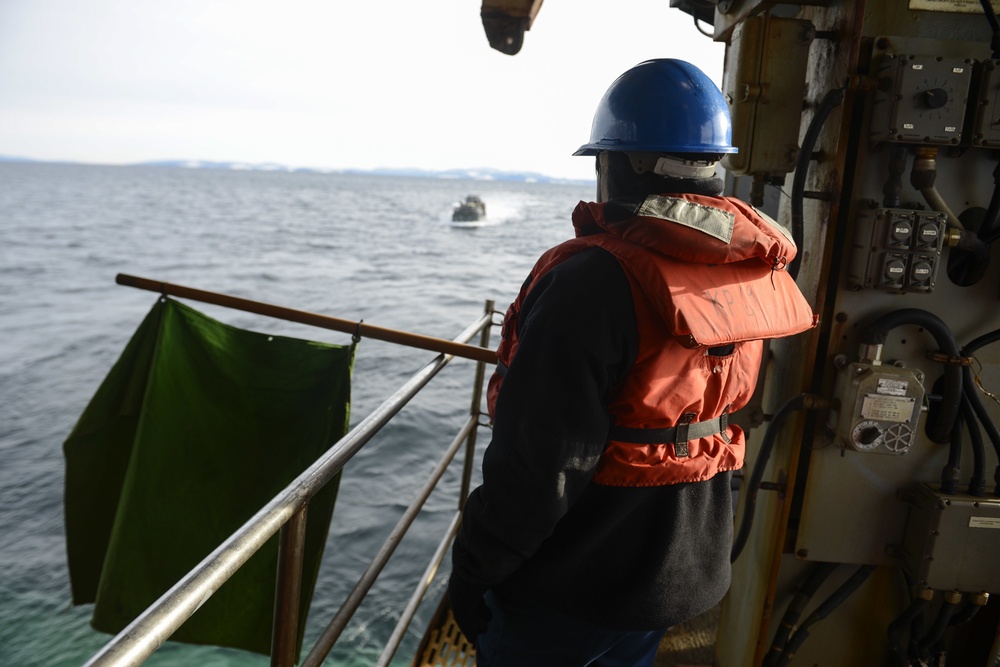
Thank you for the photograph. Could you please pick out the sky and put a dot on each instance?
(332, 84)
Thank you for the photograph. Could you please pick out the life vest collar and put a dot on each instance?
(692, 228)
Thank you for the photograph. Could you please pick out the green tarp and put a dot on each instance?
(196, 427)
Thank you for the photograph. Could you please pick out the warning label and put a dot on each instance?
(887, 408)
(957, 6)
(891, 387)
(984, 522)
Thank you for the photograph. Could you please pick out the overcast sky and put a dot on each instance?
(321, 83)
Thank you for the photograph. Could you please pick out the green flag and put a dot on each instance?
(196, 427)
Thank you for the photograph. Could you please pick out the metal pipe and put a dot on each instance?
(340, 620)
(477, 397)
(288, 589)
(923, 173)
(937, 202)
(313, 319)
(418, 594)
(142, 636)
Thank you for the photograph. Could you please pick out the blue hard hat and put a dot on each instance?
(661, 106)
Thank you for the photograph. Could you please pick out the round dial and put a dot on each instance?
(867, 435)
(934, 98)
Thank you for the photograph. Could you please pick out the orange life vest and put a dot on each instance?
(707, 282)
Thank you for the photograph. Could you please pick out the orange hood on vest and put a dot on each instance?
(701, 302)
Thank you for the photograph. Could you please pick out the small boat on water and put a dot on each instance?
(471, 209)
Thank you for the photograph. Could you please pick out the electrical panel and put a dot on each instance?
(952, 541)
(879, 408)
(920, 99)
(900, 181)
(898, 250)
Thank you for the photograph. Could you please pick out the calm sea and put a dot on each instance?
(380, 249)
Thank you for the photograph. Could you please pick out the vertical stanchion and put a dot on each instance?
(288, 589)
(477, 397)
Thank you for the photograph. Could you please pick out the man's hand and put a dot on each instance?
(469, 607)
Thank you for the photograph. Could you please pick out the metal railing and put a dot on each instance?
(286, 513)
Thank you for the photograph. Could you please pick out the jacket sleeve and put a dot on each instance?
(577, 339)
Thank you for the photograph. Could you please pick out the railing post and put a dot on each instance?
(477, 398)
(288, 589)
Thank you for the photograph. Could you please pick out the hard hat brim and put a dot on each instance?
(594, 149)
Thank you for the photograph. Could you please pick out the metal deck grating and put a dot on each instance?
(689, 644)
(445, 645)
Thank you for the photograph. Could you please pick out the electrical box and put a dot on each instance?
(985, 103)
(764, 86)
(920, 99)
(897, 250)
(879, 408)
(952, 541)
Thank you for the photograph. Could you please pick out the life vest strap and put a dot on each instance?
(677, 435)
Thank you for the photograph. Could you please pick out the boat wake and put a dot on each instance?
(471, 224)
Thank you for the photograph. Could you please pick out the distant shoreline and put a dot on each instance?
(478, 174)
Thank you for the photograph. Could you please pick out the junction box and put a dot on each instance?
(764, 87)
(920, 99)
(897, 250)
(952, 541)
(880, 406)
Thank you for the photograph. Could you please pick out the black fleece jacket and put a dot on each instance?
(538, 531)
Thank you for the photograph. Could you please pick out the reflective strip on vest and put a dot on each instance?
(713, 221)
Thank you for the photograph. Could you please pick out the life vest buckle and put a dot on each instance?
(681, 440)
(724, 424)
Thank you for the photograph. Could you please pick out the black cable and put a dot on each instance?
(951, 474)
(964, 613)
(991, 17)
(991, 236)
(967, 613)
(899, 626)
(939, 429)
(936, 630)
(893, 186)
(803, 594)
(969, 260)
(992, 216)
(971, 348)
(977, 483)
(800, 402)
(831, 603)
(972, 395)
(830, 102)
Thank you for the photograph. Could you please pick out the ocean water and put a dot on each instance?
(381, 249)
